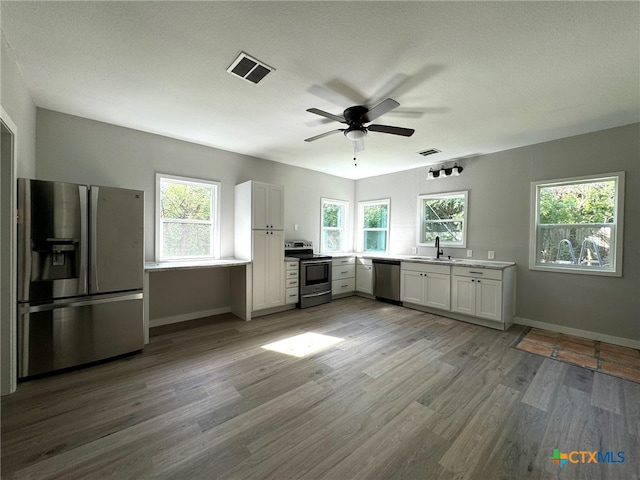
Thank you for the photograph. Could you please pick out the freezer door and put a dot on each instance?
(56, 336)
(52, 240)
(117, 240)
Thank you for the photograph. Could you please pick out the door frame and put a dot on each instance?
(9, 381)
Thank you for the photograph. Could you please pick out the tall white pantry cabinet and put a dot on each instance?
(259, 237)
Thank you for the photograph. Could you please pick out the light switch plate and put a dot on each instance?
(491, 255)
(469, 253)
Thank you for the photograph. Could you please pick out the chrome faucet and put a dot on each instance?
(438, 250)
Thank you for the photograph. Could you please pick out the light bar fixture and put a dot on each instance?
(443, 172)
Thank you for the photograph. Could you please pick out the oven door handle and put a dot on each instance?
(309, 295)
(307, 262)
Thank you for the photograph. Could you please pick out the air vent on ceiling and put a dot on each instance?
(249, 69)
(431, 151)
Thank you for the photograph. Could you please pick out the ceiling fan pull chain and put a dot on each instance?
(355, 163)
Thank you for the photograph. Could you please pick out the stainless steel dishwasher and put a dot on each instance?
(386, 280)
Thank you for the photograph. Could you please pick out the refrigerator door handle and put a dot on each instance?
(84, 284)
(72, 302)
(93, 264)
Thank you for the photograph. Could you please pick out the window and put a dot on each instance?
(443, 215)
(333, 235)
(374, 226)
(187, 212)
(577, 225)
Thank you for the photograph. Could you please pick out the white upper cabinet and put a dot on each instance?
(267, 203)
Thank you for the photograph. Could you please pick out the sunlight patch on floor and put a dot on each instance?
(303, 344)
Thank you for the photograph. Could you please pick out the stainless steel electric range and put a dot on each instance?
(315, 273)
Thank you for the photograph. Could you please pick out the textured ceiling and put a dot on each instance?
(471, 77)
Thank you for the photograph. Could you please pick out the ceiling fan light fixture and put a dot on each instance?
(355, 134)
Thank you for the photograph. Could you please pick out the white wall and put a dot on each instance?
(18, 106)
(78, 150)
(498, 215)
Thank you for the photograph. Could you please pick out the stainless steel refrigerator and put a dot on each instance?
(80, 274)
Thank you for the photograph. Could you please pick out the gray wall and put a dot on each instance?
(73, 149)
(18, 105)
(499, 197)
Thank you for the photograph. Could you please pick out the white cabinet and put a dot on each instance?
(343, 275)
(291, 282)
(425, 284)
(259, 220)
(477, 292)
(267, 204)
(364, 276)
(268, 269)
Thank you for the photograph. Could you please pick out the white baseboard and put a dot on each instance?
(601, 337)
(156, 322)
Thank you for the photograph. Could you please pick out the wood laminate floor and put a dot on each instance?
(405, 395)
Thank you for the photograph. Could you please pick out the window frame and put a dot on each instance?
(344, 237)
(421, 220)
(361, 229)
(215, 214)
(617, 229)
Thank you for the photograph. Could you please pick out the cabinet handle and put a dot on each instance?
(344, 286)
(477, 273)
(345, 272)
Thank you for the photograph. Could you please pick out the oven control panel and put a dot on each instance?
(298, 244)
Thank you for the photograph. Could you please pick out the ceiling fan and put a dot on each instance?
(355, 117)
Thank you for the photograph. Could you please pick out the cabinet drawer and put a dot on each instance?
(364, 261)
(291, 274)
(488, 273)
(291, 295)
(343, 286)
(291, 282)
(343, 271)
(426, 268)
(338, 261)
(291, 266)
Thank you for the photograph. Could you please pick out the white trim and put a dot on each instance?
(10, 382)
(346, 224)
(183, 317)
(216, 213)
(420, 222)
(601, 337)
(361, 205)
(618, 228)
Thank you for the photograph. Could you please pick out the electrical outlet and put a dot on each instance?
(295, 227)
(491, 255)
(469, 253)
(414, 250)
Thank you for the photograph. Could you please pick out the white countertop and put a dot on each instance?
(456, 262)
(222, 262)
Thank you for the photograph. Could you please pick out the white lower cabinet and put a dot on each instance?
(425, 284)
(364, 275)
(268, 269)
(343, 275)
(291, 284)
(477, 292)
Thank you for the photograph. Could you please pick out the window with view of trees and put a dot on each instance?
(577, 225)
(186, 218)
(334, 222)
(374, 226)
(443, 215)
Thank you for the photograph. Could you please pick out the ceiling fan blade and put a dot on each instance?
(380, 109)
(322, 135)
(328, 115)
(405, 132)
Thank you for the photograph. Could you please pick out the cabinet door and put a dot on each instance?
(260, 265)
(463, 295)
(364, 279)
(260, 205)
(268, 269)
(437, 291)
(276, 207)
(489, 299)
(411, 287)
